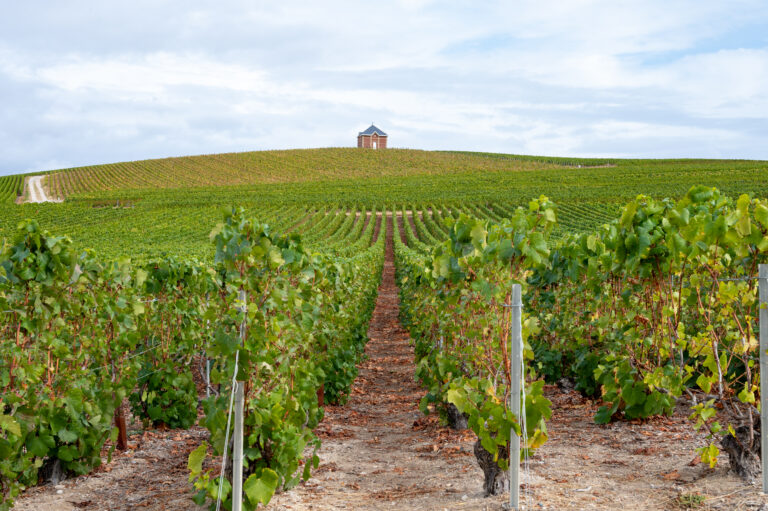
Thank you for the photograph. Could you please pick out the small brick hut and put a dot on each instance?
(372, 138)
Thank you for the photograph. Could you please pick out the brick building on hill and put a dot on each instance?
(372, 138)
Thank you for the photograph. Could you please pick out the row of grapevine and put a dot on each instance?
(660, 302)
(175, 223)
(10, 187)
(78, 336)
(572, 218)
(141, 230)
(433, 224)
(411, 233)
(278, 351)
(657, 303)
(455, 302)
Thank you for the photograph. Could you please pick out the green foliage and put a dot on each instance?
(165, 396)
(81, 335)
(172, 329)
(646, 306)
(635, 310)
(625, 394)
(302, 324)
(65, 341)
(659, 300)
(455, 301)
(10, 188)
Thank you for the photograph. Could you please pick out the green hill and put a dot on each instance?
(268, 167)
(147, 208)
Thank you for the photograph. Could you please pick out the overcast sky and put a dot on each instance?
(86, 82)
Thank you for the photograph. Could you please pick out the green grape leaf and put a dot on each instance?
(259, 490)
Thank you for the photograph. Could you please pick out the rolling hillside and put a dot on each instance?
(148, 208)
(264, 167)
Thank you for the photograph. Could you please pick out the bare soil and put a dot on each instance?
(152, 474)
(377, 229)
(379, 452)
(366, 220)
(401, 229)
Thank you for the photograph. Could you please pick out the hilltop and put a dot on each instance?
(284, 166)
(348, 175)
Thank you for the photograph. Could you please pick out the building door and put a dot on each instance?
(375, 144)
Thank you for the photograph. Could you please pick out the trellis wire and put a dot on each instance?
(153, 347)
(148, 374)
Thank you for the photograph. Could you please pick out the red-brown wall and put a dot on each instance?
(366, 141)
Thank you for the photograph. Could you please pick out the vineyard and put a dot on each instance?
(166, 213)
(147, 295)
(265, 167)
(133, 332)
(10, 188)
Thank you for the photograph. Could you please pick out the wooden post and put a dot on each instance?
(321, 394)
(515, 357)
(762, 286)
(122, 433)
(119, 418)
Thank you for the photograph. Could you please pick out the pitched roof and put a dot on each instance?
(370, 131)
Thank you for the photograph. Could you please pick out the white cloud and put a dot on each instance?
(148, 74)
(732, 83)
(629, 130)
(86, 83)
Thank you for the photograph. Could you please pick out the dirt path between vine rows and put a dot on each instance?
(379, 451)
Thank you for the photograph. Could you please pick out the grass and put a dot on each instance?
(690, 500)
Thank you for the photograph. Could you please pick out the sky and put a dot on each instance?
(85, 82)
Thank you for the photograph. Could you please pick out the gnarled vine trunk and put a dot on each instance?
(456, 419)
(744, 455)
(52, 471)
(496, 480)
